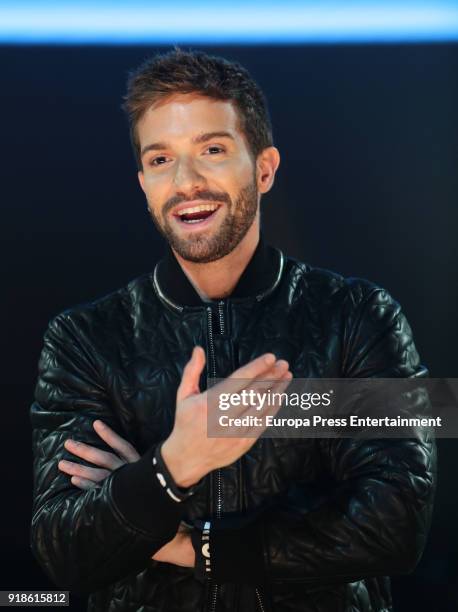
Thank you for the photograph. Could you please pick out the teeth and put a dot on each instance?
(187, 211)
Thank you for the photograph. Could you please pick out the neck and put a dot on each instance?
(218, 278)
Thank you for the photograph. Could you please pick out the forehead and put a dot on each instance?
(182, 116)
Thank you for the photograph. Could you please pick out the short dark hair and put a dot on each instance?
(180, 71)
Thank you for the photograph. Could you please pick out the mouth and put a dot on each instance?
(198, 215)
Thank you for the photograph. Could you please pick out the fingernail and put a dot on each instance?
(269, 358)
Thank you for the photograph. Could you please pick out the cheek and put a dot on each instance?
(156, 188)
(230, 176)
(152, 181)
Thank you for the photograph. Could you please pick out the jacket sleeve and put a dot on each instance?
(375, 517)
(88, 539)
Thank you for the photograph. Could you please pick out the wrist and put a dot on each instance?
(184, 471)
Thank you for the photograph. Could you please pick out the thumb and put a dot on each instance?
(193, 369)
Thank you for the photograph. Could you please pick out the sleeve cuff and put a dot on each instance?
(228, 554)
(166, 480)
(143, 501)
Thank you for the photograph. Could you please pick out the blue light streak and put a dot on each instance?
(235, 23)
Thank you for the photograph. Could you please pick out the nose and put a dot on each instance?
(187, 178)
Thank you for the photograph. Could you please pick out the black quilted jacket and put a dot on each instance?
(338, 515)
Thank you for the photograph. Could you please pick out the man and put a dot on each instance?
(179, 521)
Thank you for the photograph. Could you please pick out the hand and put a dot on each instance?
(86, 477)
(188, 452)
(178, 551)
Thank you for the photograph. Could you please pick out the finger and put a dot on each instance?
(264, 381)
(192, 371)
(239, 379)
(76, 469)
(93, 455)
(83, 483)
(117, 443)
(255, 387)
(254, 428)
(272, 407)
(278, 395)
(271, 387)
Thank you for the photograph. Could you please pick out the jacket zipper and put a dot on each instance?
(221, 316)
(210, 339)
(219, 491)
(259, 600)
(219, 496)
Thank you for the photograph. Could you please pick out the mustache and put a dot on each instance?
(202, 195)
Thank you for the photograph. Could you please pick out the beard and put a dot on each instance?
(201, 248)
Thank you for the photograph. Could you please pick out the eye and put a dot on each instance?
(155, 159)
(219, 149)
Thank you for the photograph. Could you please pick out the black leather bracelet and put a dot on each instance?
(164, 477)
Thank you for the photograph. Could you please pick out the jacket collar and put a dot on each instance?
(260, 277)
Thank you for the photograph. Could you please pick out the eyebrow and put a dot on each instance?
(200, 138)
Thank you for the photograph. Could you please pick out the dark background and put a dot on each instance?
(367, 186)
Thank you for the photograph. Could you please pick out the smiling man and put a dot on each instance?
(155, 515)
(203, 185)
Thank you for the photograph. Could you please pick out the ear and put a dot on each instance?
(141, 180)
(266, 166)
